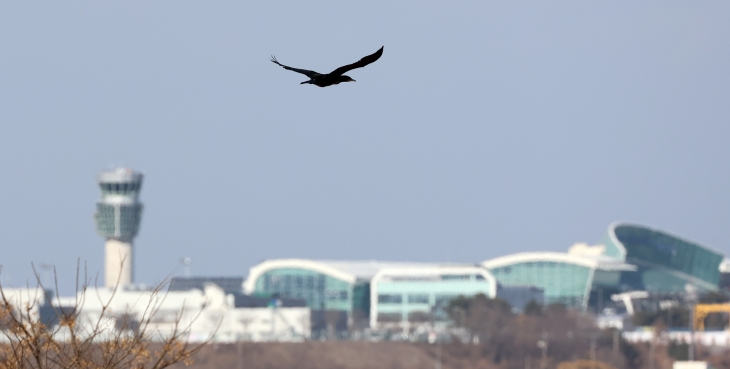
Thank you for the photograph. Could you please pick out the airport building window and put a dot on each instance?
(390, 299)
(418, 298)
(563, 283)
(321, 292)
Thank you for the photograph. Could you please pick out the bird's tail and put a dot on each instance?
(310, 82)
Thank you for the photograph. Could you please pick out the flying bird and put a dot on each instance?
(336, 76)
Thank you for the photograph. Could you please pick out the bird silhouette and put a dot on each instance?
(336, 76)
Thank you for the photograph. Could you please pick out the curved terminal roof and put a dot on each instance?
(619, 244)
(348, 271)
(600, 263)
(657, 249)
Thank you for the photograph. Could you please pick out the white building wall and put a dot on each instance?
(432, 281)
(716, 338)
(208, 314)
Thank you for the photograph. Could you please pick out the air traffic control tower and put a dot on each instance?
(117, 216)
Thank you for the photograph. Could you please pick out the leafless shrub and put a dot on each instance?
(72, 340)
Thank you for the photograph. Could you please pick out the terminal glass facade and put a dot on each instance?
(321, 291)
(667, 263)
(563, 283)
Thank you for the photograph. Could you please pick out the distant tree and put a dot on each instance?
(678, 350)
(643, 318)
(675, 317)
(556, 308)
(332, 319)
(533, 308)
(360, 320)
(419, 316)
(487, 318)
(631, 355)
(714, 297)
(465, 302)
(460, 302)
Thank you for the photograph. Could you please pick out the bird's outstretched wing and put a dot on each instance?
(359, 64)
(308, 73)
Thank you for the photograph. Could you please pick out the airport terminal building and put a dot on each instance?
(393, 294)
(369, 292)
(402, 296)
(630, 258)
(665, 263)
(566, 278)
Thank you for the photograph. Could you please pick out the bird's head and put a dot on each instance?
(346, 79)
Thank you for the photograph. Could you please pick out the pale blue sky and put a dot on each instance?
(486, 128)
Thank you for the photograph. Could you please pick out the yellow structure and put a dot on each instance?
(702, 310)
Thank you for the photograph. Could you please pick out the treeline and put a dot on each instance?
(540, 336)
(553, 336)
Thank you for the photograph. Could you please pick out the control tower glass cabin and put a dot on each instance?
(118, 214)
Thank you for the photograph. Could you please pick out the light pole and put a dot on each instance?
(651, 350)
(543, 344)
(239, 353)
(593, 348)
(692, 299)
